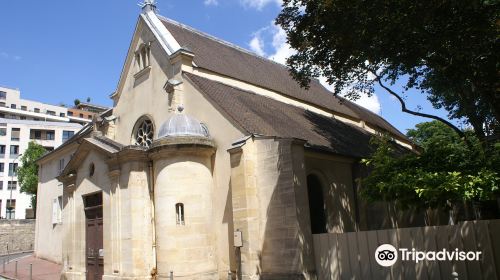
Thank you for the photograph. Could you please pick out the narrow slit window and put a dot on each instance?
(179, 213)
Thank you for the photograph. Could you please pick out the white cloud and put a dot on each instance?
(211, 2)
(259, 4)
(5, 55)
(281, 50)
(371, 103)
(257, 45)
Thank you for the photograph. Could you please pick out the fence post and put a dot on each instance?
(229, 275)
(3, 265)
(15, 270)
(454, 275)
(171, 275)
(31, 271)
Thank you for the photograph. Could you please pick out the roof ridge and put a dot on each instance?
(218, 40)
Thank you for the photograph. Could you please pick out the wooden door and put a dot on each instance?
(94, 236)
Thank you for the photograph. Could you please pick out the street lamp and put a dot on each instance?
(9, 207)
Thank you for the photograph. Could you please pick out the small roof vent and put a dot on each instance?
(181, 124)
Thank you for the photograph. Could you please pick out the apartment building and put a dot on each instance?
(22, 121)
(84, 112)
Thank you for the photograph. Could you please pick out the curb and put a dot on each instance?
(20, 252)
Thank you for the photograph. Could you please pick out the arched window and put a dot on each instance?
(142, 56)
(316, 205)
(179, 213)
(143, 132)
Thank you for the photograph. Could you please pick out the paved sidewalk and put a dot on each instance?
(42, 269)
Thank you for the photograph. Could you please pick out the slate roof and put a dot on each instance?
(106, 143)
(257, 114)
(229, 60)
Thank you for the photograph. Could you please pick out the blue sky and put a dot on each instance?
(56, 51)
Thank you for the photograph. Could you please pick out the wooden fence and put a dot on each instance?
(352, 255)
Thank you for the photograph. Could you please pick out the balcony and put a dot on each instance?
(42, 137)
(48, 115)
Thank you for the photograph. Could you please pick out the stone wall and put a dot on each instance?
(16, 236)
(268, 183)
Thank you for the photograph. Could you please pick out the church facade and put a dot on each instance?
(212, 160)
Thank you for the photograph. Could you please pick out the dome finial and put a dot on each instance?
(180, 108)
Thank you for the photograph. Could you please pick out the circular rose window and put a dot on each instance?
(144, 132)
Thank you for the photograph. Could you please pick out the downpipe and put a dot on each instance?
(154, 270)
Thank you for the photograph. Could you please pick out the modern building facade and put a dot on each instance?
(13, 107)
(85, 112)
(23, 121)
(212, 159)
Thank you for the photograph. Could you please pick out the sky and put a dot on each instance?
(57, 51)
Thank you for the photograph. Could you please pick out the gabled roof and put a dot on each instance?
(257, 114)
(229, 60)
(81, 134)
(97, 142)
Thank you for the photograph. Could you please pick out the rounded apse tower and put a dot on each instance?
(185, 238)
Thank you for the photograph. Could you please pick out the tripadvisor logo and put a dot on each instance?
(387, 255)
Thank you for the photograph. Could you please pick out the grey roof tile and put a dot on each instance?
(229, 60)
(257, 114)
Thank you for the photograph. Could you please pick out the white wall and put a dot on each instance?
(23, 200)
(14, 97)
(48, 233)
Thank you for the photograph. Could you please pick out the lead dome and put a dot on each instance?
(181, 124)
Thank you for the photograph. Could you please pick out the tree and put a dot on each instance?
(446, 172)
(445, 49)
(77, 102)
(27, 174)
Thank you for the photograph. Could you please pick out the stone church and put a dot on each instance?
(213, 160)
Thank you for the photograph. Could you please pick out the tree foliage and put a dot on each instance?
(447, 49)
(447, 170)
(27, 174)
